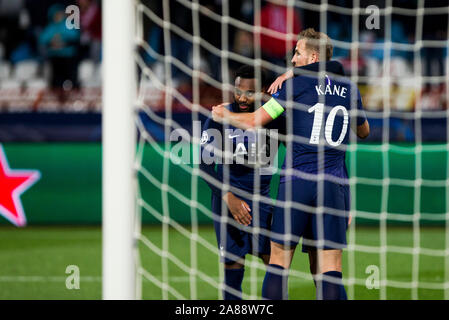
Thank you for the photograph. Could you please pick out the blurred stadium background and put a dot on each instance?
(50, 120)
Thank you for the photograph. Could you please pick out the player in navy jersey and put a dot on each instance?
(237, 241)
(323, 110)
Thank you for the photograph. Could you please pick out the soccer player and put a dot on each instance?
(320, 119)
(237, 241)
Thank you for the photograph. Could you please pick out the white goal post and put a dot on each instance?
(118, 150)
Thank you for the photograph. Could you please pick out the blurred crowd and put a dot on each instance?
(37, 50)
(406, 65)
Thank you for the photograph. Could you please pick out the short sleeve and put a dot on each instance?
(208, 140)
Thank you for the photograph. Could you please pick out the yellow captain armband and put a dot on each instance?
(273, 108)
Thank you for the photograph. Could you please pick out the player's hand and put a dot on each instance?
(239, 209)
(277, 84)
(350, 219)
(219, 112)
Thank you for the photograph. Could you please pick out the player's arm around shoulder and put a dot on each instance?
(277, 84)
(242, 120)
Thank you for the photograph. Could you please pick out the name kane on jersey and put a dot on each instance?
(335, 90)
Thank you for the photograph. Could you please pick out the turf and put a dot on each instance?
(33, 264)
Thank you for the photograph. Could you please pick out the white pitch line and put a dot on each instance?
(44, 279)
(99, 279)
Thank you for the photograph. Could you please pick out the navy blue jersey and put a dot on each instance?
(321, 115)
(242, 160)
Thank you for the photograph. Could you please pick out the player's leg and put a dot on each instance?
(233, 246)
(233, 278)
(287, 227)
(234, 266)
(325, 266)
(281, 255)
(275, 284)
(325, 261)
(261, 240)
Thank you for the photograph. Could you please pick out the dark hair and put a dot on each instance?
(249, 72)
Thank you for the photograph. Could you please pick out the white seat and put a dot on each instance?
(10, 92)
(91, 83)
(373, 67)
(25, 70)
(10, 84)
(399, 68)
(159, 70)
(46, 71)
(94, 78)
(86, 70)
(99, 71)
(38, 84)
(5, 70)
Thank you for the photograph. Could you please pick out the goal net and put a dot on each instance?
(186, 53)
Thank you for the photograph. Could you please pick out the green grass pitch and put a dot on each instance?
(33, 263)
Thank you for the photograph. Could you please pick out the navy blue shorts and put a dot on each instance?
(305, 223)
(237, 242)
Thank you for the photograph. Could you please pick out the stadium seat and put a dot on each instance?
(158, 70)
(85, 70)
(99, 71)
(89, 74)
(10, 90)
(25, 70)
(5, 70)
(46, 71)
(10, 84)
(37, 84)
(373, 67)
(399, 68)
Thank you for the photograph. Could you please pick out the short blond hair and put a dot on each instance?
(313, 39)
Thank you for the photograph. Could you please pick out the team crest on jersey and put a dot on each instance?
(204, 137)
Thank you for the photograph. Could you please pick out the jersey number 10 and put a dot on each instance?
(318, 120)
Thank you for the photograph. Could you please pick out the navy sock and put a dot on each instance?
(275, 285)
(233, 279)
(331, 290)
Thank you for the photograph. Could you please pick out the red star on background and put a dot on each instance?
(12, 184)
